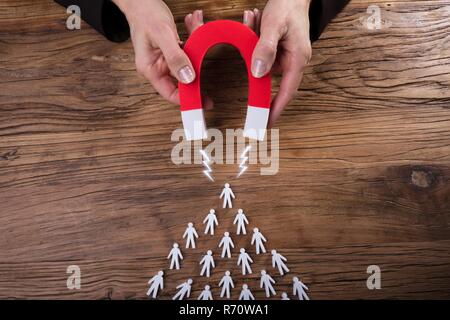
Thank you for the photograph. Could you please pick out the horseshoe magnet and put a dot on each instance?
(259, 89)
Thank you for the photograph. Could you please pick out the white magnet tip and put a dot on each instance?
(256, 123)
(194, 124)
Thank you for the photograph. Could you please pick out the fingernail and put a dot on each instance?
(245, 17)
(186, 74)
(258, 68)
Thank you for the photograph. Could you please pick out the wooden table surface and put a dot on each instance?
(86, 176)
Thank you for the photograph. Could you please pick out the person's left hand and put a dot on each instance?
(284, 46)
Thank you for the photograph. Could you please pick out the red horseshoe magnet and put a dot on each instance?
(259, 89)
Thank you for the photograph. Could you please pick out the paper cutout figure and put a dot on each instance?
(207, 262)
(226, 283)
(245, 260)
(258, 239)
(189, 234)
(205, 294)
(184, 290)
(278, 262)
(226, 242)
(266, 283)
(284, 296)
(299, 289)
(156, 283)
(227, 194)
(246, 294)
(211, 220)
(240, 220)
(175, 254)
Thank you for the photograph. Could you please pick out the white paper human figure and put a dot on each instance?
(245, 260)
(175, 255)
(226, 242)
(184, 290)
(207, 262)
(278, 262)
(211, 220)
(299, 289)
(240, 220)
(226, 283)
(156, 283)
(258, 239)
(189, 234)
(284, 296)
(227, 194)
(246, 294)
(266, 283)
(205, 294)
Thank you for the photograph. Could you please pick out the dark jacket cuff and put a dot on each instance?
(321, 12)
(104, 16)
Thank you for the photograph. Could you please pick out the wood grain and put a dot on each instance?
(86, 176)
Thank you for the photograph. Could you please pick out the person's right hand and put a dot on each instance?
(158, 54)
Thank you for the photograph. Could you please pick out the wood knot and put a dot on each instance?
(10, 155)
(422, 178)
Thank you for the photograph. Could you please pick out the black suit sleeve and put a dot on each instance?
(321, 12)
(105, 16)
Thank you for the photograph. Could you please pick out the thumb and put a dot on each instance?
(177, 60)
(265, 51)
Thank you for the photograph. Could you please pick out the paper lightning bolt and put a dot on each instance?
(244, 159)
(206, 161)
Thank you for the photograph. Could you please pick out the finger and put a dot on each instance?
(290, 82)
(257, 27)
(162, 82)
(177, 60)
(266, 49)
(193, 20)
(197, 19)
(148, 67)
(249, 19)
(188, 23)
(166, 88)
